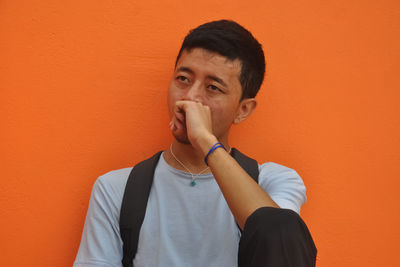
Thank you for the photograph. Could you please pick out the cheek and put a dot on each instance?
(171, 99)
(174, 93)
(222, 115)
(218, 114)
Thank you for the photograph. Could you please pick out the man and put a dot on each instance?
(201, 199)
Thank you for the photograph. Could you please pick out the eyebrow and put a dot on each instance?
(212, 77)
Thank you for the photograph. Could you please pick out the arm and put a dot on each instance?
(101, 245)
(242, 194)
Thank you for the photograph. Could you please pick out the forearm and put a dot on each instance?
(241, 192)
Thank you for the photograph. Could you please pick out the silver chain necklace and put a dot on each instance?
(193, 182)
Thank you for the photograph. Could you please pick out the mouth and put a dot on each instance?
(179, 131)
(181, 117)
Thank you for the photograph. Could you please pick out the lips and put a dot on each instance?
(179, 131)
(181, 118)
(180, 123)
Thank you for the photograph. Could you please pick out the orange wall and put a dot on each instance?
(82, 92)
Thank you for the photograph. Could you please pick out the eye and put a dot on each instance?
(182, 79)
(214, 88)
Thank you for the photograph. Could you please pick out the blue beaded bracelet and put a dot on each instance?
(217, 145)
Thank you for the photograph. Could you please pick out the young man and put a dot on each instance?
(204, 209)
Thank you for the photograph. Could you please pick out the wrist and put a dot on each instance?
(206, 143)
(212, 149)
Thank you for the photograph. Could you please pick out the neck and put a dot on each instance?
(190, 157)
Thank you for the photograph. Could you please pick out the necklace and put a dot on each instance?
(193, 182)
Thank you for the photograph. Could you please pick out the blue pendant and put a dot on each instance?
(193, 183)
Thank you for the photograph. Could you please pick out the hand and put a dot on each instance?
(193, 119)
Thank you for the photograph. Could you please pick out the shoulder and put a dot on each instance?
(283, 184)
(110, 186)
(114, 180)
(274, 171)
(101, 243)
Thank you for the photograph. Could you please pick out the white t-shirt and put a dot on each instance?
(184, 225)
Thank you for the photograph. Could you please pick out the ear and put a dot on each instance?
(245, 108)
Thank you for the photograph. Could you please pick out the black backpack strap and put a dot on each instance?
(137, 193)
(133, 206)
(248, 164)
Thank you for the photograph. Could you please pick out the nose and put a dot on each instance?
(194, 92)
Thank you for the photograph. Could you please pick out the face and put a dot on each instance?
(213, 80)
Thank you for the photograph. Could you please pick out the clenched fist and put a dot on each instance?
(191, 123)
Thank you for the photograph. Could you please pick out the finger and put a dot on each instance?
(181, 104)
(172, 125)
(187, 104)
(184, 105)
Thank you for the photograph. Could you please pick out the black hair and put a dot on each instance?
(232, 41)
